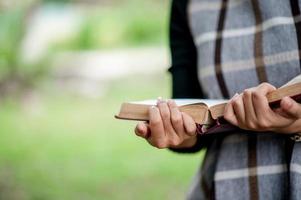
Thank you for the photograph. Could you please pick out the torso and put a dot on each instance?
(257, 42)
(240, 46)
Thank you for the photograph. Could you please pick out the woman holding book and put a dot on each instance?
(240, 50)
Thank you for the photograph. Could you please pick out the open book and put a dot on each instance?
(203, 111)
(207, 113)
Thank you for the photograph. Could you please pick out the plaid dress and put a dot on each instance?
(240, 44)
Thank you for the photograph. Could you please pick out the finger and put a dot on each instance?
(250, 115)
(259, 98)
(238, 108)
(291, 108)
(263, 112)
(189, 124)
(229, 114)
(282, 113)
(176, 117)
(267, 118)
(157, 137)
(165, 116)
(142, 130)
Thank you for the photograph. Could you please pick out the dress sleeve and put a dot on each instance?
(185, 82)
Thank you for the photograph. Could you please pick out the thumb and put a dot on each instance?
(189, 124)
(290, 107)
(142, 130)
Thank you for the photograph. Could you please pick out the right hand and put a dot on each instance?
(168, 127)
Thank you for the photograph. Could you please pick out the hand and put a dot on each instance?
(251, 111)
(168, 127)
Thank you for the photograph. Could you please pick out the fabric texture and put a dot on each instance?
(231, 45)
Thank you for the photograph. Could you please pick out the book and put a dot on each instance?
(205, 112)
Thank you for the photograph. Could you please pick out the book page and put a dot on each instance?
(212, 102)
(297, 79)
(182, 102)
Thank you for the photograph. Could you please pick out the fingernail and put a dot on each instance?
(153, 107)
(170, 101)
(159, 100)
(139, 127)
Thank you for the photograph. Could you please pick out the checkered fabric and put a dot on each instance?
(241, 43)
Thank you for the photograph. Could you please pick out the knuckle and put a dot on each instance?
(264, 124)
(155, 119)
(191, 130)
(175, 142)
(155, 122)
(247, 93)
(160, 144)
(265, 84)
(176, 119)
(235, 103)
(251, 125)
(257, 94)
(165, 114)
(172, 104)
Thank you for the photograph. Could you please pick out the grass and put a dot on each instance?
(67, 147)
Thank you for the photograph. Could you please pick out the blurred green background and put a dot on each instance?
(65, 68)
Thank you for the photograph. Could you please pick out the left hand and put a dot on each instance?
(251, 111)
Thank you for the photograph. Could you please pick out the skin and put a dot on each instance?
(250, 111)
(170, 128)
